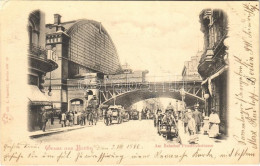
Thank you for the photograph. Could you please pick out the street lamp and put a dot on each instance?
(50, 93)
(206, 96)
(206, 119)
(182, 92)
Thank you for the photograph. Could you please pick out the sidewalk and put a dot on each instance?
(202, 139)
(40, 133)
(53, 129)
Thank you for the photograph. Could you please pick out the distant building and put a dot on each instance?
(39, 66)
(152, 104)
(127, 75)
(190, 72)
(213, 65)
(190, 69)
(79, 47)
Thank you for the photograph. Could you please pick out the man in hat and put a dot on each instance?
(63, 119)
(171, 109)
(159, 117)
(197, 115)
(44, 118)
(169, 118)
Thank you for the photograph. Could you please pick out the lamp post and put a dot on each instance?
(206, 118)
(50, 93)
(206, 96)
(182, 92)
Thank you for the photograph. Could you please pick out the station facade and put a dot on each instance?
(84, 52)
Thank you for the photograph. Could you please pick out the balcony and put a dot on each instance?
(37, 51)
(38, 60)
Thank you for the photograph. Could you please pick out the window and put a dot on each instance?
(33, 33)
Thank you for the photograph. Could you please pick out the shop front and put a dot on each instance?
(38, 102)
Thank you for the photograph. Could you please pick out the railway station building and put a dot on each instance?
(84, 52)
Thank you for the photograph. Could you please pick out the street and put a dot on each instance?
(131, 131)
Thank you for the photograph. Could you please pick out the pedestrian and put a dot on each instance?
(39, 118)
(108, 116)
(185, 120)
(63, 119)
(44, 119)
(171, 108)
(67, 118)
(191, 127)
(70, 119)
(52, 117)
(75, 118)
(155, 117)
(213, 124)
(83, 118)
(197, 115)
(147, 114)
(59, 117)
(159, 117)
(78, 118)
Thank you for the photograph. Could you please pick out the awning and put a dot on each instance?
(36, 97)
(215, 75)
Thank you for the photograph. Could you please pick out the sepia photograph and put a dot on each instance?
(130, 82)
(76, 80)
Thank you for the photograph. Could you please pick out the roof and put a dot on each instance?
(69, 26)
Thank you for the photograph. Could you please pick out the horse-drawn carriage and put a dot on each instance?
(113, 115)
(134, 115)
(167, 126)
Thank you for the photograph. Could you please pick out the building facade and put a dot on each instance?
(190, 72)
(213, 65)
(126, 76)
(39, 65)
(80, 48)
(190, 69)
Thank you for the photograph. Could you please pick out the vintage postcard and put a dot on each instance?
(129, 83)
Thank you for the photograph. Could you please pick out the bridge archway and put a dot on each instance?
(128, 98)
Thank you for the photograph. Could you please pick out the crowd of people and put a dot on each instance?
(67, 119)
(72, 118)
(192, 120)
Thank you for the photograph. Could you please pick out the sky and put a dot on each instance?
(152, 36)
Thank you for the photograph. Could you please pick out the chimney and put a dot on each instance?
(57, 19)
